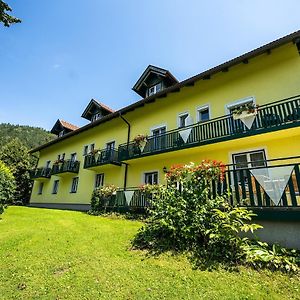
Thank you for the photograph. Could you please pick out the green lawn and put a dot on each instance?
(52, 254)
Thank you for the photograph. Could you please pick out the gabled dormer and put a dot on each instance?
(62, 127)
(154, 80)
(96, 110)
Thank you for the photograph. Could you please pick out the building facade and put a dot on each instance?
(245, 113)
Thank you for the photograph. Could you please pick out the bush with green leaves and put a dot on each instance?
(184, 217)
(15, 155)
(101, 197)
(7, 186)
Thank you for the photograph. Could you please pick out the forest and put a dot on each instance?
(16, 162)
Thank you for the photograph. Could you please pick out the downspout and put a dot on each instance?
(128, 140)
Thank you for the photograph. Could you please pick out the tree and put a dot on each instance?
(5, 18)
(15, 155)
(7, 186)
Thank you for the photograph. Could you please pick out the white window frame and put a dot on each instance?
(109, 142)
(240, 151)
(102, 175)
(74, 187)
(158, 127)
(155, 89)
(180, 115)
(150, 171)
(201, 108)
(239, 102)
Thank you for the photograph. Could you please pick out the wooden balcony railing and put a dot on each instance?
(272, 116)
(102, 157)
(40, 173)
(67, 166)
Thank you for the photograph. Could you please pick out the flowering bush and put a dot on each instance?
(149, 188)
(185, 217)
(107, 190)
(101, 197)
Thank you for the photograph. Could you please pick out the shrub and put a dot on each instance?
(101, 197)
(185, 217)
(7, 186)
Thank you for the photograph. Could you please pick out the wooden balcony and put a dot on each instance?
(66, 167)
(40, 173)
(273, 116)
(102, 157)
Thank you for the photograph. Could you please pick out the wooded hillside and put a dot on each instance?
(30, 137)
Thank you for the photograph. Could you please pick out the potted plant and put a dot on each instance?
(244, 111)
(140, 141)
(94, 154)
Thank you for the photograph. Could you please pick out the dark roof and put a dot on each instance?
(293, 37)
(157, 71)
(63, 124)
(95, 103)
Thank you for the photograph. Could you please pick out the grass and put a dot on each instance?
(52, 254)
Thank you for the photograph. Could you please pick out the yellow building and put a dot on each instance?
(244, 112)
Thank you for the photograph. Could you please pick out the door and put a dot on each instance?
(110, 150)
(159, 138)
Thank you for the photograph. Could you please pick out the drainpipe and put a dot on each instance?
(129, 128)
(128, 140)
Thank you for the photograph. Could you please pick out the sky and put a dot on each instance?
(66, 52)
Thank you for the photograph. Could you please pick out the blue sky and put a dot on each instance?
(66, 52)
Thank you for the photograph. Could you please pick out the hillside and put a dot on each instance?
(30, 136)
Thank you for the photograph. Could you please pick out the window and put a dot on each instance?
(183, 120)
(61, 156)
(85, 150)
(61, 133)
(55, 186)
(48, 164)
(99, 180)
(74, 185)
(92, 147)
(41, 186)
(203, 114)
(154, 89)
(151, 178)
(96, 116)
(73, 157)
(249, 159)
(110, 146)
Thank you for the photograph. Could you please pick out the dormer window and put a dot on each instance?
(62, 127)
(154, 89)
(96, 117)
(61, 133)
(96, 110)
(154, 80)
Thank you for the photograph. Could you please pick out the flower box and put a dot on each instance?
(244, 114)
